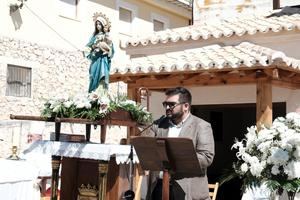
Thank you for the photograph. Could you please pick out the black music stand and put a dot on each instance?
(174, 156)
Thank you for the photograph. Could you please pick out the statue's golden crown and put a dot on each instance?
(98, 16)
(88, 190)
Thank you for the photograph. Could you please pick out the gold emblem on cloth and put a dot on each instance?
(88, 190)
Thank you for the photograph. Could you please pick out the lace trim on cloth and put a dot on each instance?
(83, 150)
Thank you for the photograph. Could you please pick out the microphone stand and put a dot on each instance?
(154, 122)
(129, 194)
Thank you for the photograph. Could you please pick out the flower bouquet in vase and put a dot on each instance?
(271, 156)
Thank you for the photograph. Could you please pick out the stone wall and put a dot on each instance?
(54, 72)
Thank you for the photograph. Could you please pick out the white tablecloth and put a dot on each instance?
(82, 150)
(18, 181)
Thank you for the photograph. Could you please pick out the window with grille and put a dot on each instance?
(158, 25)
(18, 81)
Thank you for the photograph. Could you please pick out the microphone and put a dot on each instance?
(158, 121)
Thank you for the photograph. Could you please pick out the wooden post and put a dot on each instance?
(102, 133)
(132, 94)
(138, 181)
(56, 160)
(161, 147)
(57, 130)
(166, 185)
(103, 169)
(263, 103)
(276, 4)
(87, 132)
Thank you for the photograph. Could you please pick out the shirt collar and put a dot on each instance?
(180, 124)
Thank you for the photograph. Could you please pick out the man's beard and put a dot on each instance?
(174, 116)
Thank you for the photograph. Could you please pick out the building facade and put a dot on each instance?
(211, 10)
(41, 50)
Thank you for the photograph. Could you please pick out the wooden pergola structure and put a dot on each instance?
(278, 73)
(243, 64)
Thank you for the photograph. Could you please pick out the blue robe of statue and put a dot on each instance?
(100, 65)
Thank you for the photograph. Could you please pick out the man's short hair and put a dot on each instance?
(184, 94)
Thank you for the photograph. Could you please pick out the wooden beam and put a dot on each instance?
(263, 103)
(275, 74)
(292, 74)
(286, 84)
(288, 77)
(201, 79)
(261, 74)
(131, 77)
(132, 91)
(272, 72)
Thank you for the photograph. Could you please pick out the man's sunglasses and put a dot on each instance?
(170, 104)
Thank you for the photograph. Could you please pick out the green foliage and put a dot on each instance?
(94, 107)
(227, 175)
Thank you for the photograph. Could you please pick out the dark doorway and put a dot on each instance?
(229, 121)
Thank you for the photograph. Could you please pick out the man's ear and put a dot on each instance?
(186, 105)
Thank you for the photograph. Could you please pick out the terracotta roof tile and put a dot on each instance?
(210, 57)
(182, 3)
(251, 25)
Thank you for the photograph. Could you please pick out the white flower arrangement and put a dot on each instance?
(271, 155)
(93, 106)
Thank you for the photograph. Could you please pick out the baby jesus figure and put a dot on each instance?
(102, 43)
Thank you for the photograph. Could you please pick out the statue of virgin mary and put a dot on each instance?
(100, 51)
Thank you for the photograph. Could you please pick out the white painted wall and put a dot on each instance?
(289, 3)
(237, 94)
(211, 10)
(44, 22)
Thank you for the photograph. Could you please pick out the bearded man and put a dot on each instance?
(179, 122)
